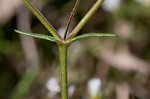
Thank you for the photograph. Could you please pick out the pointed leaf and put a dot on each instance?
(43, 20)
(41, 36)
(92, 35)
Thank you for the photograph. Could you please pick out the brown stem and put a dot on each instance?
(71, 17)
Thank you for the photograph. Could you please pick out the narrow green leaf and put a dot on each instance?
(92, 35)
(43, 20)
(41, 36)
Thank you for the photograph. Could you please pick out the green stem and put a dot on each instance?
(85, 19)
(63, 63)
(43, 20)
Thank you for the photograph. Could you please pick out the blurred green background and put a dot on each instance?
(98, 68)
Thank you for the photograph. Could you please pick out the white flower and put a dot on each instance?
(94, 87)
(111, 5)
(53, 86)
(71, 90)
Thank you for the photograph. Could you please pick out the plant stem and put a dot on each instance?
(63, 63)
(43, 20)
(85, 19)
(71, 17)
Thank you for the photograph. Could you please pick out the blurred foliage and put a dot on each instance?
(84, 59)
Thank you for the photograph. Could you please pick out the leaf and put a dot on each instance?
(92, 35)
(36, 35)
(43, 20)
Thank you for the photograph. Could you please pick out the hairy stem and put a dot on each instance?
(85, 18)
(63, 64)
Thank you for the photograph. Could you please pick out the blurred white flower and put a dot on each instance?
(94, 87)
(53, 87)
(111, 5)
(61, 31)
(71, 90)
